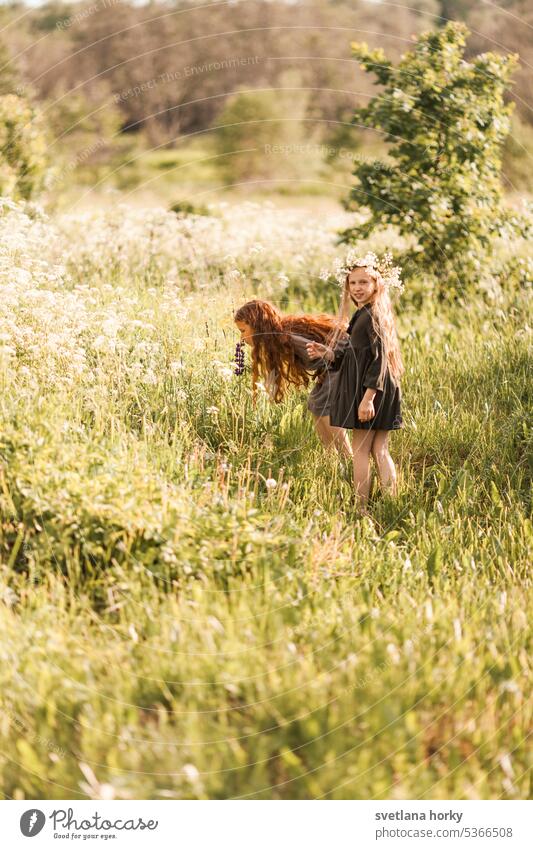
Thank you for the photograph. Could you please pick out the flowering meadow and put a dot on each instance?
(189, 606)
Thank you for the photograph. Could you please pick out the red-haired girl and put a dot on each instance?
(280, 357)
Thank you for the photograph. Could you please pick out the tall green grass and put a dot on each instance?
(172, 628)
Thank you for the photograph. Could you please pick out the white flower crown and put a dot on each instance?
(389, 273)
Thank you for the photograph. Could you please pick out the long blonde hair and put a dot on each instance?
(383, 322)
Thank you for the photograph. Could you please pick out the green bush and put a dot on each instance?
(445, 121)
(22, 148)
(260, 135)
(185, 207)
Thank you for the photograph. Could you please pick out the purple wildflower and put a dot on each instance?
(239, 358)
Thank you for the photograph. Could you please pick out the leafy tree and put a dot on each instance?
(22, 148)
(445, 121)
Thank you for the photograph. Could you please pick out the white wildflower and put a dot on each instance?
(101, 343)
(394, 654)
(149, 377)
(226, 373)
(191, 773)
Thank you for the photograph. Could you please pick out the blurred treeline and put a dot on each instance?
(230, 91)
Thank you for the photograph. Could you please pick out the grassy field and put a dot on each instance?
(174, 628)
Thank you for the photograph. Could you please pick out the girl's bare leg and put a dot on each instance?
(332, 436)
(384, 462)
(362, 445)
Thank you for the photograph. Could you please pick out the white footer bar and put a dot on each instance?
(267, 824)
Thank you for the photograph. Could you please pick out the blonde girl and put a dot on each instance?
(367, 395)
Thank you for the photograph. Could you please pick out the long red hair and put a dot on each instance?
(273, 350)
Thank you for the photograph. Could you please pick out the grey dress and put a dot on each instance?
(358, 368)
(320, 397)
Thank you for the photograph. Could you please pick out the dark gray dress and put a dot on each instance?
(319, 399)
(358, 366)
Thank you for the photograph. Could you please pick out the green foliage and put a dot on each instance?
(88, 144)
(9, 78)
(261, 135)
(22, 148)
(185, 207)
(517, 156)
(446, 121)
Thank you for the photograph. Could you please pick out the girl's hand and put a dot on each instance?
(366, 410)
(316, 350)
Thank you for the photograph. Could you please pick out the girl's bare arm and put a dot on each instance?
(316, 350)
